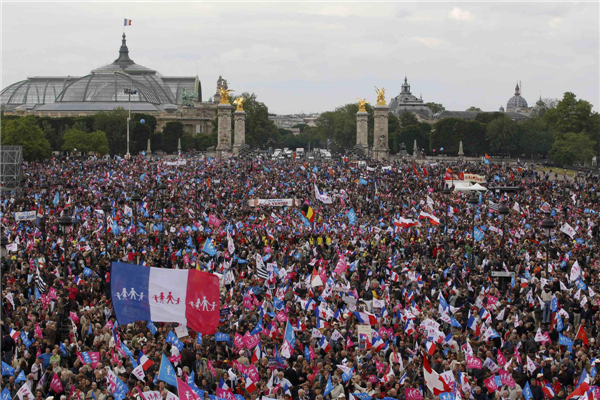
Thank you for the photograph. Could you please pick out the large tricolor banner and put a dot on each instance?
(189, 297)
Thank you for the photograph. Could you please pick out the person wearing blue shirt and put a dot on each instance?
(46, 358)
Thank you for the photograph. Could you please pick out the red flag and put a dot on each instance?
(461, 176)
(203, 288)
(581, 335)
(512, 177)
(425, 171)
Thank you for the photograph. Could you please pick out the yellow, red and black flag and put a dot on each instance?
(308, 212)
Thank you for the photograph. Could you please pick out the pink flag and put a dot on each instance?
(56, 385)
(500, 358)
(213, 220)
(52, 293)
(74, 317)
(474, 363)
(238, 341)
(38, 331)
(413, 394)
(506, 378)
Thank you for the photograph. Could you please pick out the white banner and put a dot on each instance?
(176, 163)
(25, 216)
(566, 228)
(274, 202)
(474, 178)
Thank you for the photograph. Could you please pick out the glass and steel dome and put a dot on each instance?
(105, 84)
(516, 101)
(109, 87)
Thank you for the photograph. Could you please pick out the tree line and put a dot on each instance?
(566, 130)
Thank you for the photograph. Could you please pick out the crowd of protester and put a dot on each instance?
(393, 286)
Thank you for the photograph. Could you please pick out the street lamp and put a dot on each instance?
(548, 224)
(503, 210)
(44, 187)
(473, 200)
(65, 222)
(567, 189)
(106, 207)
(59, 184)
(129, 92)
(137, 200)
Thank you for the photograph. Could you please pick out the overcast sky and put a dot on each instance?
(317, 56)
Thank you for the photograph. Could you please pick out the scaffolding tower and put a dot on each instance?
(11, 167)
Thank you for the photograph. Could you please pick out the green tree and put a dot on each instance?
(573, 148)
(95, 142)
(172, 132)
(487, 117)
(54, 138)
(205, 141)
(25, 132)
(473, 108)
(572, 115)
(435, 107)
(501, 134)
(535, 137)
(449, 132)
(114, 124)
(408, 119)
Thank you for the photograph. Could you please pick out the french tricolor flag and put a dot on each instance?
(145, 362)
(14, 334)
(127, 22)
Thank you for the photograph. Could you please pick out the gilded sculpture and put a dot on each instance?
(224, 95)
(380, 96)
(361, 105)
(239, 102)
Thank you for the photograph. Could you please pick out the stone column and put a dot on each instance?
(239, 133)
(224, 129)
(362, 138)
(381, 150)
(461, 153)
(148, 149)
(415, 149)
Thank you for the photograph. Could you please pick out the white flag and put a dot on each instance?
(575, 271)
(566, 228)
(139, 373)
(25, 391)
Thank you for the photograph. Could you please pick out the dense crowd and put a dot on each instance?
(391, 284)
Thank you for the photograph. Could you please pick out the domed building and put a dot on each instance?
(517, 103)
(103, 89)
(405, 101)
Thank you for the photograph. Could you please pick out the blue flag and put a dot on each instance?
(89, 329)
(199, 339)
(527, 392)
(7, 370)
(351, 216)
(174, 340)
(166, 373)
(328, 387)
(21, 377)
(209, 248)
(346, 376)
(559, 323)
(56, 199)
(221, 337)
(5, 394)
(25, 340)
(478, 235)
(454, 322)
(565, 341)
(362, 181)
(289, 334)
(151, 327)
(362, 396)
(63, 349)
(446, 396)
(87, 272)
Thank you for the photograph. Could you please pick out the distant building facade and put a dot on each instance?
(407, 102)
(289, 121)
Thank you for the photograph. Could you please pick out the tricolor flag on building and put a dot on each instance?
(189, 297)
(127, 22)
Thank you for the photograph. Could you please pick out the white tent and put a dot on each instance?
(465, 186)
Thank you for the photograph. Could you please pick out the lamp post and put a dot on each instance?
(136, 200)
(65, 222)
(59, 184)
(567, 189)
(446, 192)
(106, 207)
(161, 188)
(548, 224)
(129, 92)
(44, 188)
(473, 200)
(503, 210)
